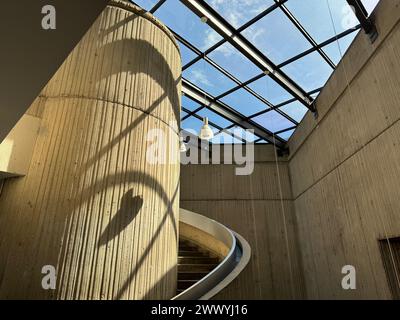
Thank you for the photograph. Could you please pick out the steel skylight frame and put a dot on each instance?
(203, 98)
(243, 85)
(365, 21)
(236, 39)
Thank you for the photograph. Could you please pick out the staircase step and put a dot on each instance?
(184, 284)
(188, 248)
(196, 267)
(188, 275)
(197, 260)
(184, 253)
(194, 263)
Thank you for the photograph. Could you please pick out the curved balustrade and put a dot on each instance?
(233, 249)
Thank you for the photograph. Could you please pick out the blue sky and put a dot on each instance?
(276, 37)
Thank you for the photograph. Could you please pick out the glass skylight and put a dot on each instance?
(244, 102)
(146, 4)
(273, 121)
(370, 5)
(277, 37)
(185, 23)
(335, 51)
(189, 104)
(266, 25)
(295, 110)
(286, 135)
(322, 20)
(206, 77)
(214, 118)
(237, 64)
(187, 54)
(270, 90)
(310, 72)
(238, 12)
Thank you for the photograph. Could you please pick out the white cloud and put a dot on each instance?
(237, 12)
(198, 76)
(254, 34)
(212, 37)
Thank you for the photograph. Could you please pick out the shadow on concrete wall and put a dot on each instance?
(129, 208)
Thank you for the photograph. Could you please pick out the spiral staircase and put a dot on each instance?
(210, 257)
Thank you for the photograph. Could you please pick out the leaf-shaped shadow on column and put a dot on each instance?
(129, 208)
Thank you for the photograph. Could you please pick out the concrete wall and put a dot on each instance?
(251, 205)
(17, 148)
(345, 167)
(91, 205)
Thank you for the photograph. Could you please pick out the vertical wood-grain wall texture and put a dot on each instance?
(251, 205)
(91, 204)
(345, 167)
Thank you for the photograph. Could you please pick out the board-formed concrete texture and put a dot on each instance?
(340, 184)
(90, 204)
(17, 148)
(251, 205)
(345, 167)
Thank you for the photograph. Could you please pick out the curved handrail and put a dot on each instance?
(229, 268)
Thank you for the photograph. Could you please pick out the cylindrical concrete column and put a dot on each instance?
(91, 204)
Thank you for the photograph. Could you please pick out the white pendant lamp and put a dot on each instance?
(206, 132)
(182, 146)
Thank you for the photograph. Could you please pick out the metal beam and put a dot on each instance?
(362, 16)
(192, 113)
(221, 129)
(304, 32)
(214, 20)
(231, 77)
(319, 46)
(157, 6)
(281, 105)
(203, 98)
(243, 27)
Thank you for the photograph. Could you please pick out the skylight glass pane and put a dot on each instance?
(188, 25)
(315, 95)
(286, 135)
(206, 77)
(234, 62)
(225, 138)
(244, 134)
(146, 4)
(277, 37)
(183, 113)
(332, 50)
(310, 72)
(189, 103)
(244, 102)
(295, 110)
(186, 54)
(316, 17)
(370, 5)
(273, 121)
(238, 12)
(192, 125)
(215, 118)
(270, 90)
